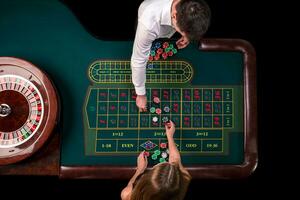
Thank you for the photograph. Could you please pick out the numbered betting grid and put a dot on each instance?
(200, 115)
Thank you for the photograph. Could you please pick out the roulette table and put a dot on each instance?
(76, 116)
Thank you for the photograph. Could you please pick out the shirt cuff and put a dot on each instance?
(140, 90)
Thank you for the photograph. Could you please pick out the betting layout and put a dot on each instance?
(113, 125)
(198, 113)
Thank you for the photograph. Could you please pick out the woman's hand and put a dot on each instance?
(170, 129)
(142, 162)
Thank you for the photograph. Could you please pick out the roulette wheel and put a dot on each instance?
(29, 109)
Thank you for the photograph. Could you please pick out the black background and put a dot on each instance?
(246, 19)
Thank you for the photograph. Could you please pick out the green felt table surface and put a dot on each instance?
(48, 34)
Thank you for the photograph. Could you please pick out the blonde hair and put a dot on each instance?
(164, 181)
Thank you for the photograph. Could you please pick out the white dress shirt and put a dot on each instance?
(154, 21)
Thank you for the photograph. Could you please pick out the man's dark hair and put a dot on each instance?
(193, 18)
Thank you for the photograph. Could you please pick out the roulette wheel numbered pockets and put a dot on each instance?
(29, 109)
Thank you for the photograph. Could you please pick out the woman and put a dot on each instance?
(168, 180)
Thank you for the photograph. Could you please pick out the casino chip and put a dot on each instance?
(146, 153)
(163, 145)
(152, 110)
(157, 45)
(152, 53)
(155, 119)
(150, 66)
(157, 152)
(164, 155)
(158, 111)
(154, 157)
(165, 45)
(156, 100)
(159, 51)
(165, 55)
(166, 109)
(165, 119)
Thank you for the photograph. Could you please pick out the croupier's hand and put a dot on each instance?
(141, 103)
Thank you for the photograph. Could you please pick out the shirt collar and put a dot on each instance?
(166, 14)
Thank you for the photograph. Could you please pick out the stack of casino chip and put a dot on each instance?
(162, 50)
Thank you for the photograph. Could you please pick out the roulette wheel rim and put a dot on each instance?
(23, 131)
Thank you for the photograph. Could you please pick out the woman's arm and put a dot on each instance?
(126, 192)
(142, 163)
(174, 155)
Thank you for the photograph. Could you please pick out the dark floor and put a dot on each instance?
(250, 188)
